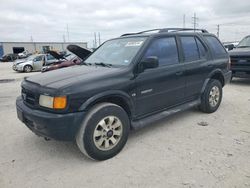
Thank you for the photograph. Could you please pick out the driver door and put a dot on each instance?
(164, 86)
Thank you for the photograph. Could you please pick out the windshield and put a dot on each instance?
(117, 52)
(245, 42)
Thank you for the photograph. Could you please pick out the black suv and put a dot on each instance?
(240, 59)
(127, 83)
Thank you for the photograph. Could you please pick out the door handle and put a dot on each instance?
(179, 73)
(210, 65)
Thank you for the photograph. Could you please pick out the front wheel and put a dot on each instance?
(212, 96)
(104, 132)
(27, 68)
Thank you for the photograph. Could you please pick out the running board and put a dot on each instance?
(156, 117)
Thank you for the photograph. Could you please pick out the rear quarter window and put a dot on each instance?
(216, 47)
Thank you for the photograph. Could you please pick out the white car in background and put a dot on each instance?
(23, 54)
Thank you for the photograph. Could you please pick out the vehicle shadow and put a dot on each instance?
(240, 81)
(167, 121)
(58, 150)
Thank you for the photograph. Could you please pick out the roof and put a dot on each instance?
(165, 30)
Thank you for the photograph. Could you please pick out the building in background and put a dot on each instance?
(32, 47)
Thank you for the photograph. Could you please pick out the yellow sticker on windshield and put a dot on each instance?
(136, 43)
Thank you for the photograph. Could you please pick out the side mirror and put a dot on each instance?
(230, 47)
(150, 62)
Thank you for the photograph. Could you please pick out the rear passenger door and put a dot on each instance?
(197, 63)
(163, 86)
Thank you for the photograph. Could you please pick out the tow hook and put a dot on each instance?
(47, 139)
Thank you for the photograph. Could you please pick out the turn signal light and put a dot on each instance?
(60, 102)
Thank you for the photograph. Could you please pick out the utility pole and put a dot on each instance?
(184, 20)
(195, 21)
(99, 36)
(63, 42)
(68, 31)
(218, 30)
(31, 39)
(95, 39)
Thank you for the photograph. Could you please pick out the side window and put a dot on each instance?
(190, 49)
(201, 48)
(165, 49)
(39, 58)
(50, 57)
(216, 47)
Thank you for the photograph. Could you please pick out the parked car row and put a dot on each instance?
(13, 57)
(51, 61)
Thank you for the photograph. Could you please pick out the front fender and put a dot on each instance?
(108, 94)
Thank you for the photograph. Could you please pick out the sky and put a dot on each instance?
(47, 20)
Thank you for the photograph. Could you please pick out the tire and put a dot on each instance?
(210, 100)
(92, 137)
(27, 68)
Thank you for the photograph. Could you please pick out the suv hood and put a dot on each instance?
(240, 52)
(61, 78)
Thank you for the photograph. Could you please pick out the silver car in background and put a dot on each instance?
(33, 62)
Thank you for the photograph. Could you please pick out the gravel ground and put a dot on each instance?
(189, 149)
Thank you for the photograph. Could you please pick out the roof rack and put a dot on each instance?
(166, 30)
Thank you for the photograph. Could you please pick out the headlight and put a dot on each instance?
(53, 102)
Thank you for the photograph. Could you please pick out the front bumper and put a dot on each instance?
(17, 68)
(227, 77)
(50, 125)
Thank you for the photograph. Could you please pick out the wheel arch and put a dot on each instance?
(119, 98)
(217, 75)
(28, 65)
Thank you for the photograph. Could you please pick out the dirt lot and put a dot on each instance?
(176, 152)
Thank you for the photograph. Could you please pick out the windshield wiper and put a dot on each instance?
(104, 64)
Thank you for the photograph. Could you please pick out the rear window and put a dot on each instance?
(216, 47)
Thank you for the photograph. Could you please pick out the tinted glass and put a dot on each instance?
(216, 47)
(118, 52)
(202, 49)
(190, 49)
(165, 49)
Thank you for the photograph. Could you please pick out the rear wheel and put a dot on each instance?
(211, 98)
(104, 131)
(27, 68)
